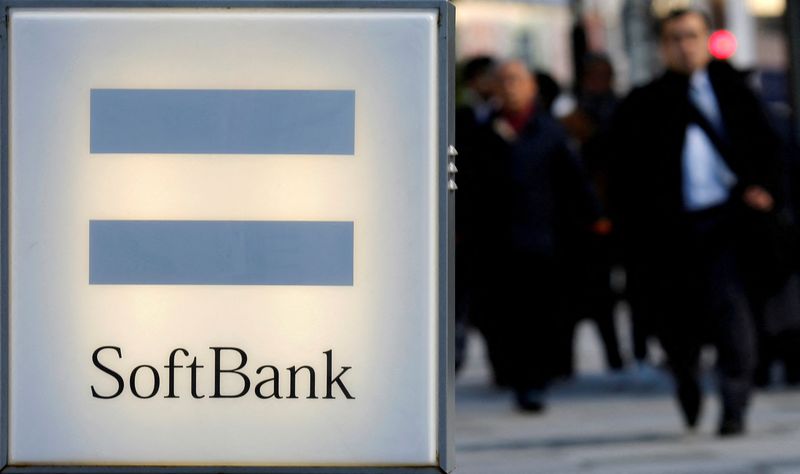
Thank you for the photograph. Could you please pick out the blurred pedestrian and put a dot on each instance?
(524, 185)
(695, 169)
(476, 107)
(592, 254)
(478, 101)
(549, 90)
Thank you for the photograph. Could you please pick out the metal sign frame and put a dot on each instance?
(445, 325)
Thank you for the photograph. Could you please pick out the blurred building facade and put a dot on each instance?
(543, 33)
(536, 32)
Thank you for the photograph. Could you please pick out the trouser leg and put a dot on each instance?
(734, 337)
(762, 376)
(489, 313)
(639, 334)
(532, 330)
(491, 328)
(674, 301)
(640, 321)
(736, 356)
(683, 356)
(607, 328)
(788, 348)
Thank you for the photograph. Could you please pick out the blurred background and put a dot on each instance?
(552, 36)
(607, 403)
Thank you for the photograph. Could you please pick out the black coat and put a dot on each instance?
(648, 135)
(521, 194)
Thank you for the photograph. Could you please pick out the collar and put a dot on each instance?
(699, 80)
(520, 119)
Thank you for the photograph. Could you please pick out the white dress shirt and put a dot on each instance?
(707, 179)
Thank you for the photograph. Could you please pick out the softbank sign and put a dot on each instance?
(209, 234)
(267, 388)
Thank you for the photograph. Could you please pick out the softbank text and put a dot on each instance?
(145, 381)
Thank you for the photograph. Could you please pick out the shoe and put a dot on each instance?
(530, 401)
(731, 427)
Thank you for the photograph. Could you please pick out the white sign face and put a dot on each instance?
(223, 237)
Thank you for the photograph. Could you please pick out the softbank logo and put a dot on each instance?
(220, 252)
(255, 122)
(266, 381)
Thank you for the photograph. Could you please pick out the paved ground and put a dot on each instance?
(606, 424)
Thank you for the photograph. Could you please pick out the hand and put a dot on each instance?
(758, 198)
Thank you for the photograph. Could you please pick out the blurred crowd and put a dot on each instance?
(683, 186)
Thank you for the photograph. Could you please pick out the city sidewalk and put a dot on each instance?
(613, 424)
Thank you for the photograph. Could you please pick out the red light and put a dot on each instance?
(722, 44)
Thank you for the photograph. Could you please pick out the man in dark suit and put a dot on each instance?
(695, 163)
(521, 187)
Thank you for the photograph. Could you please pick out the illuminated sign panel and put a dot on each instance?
(227, 235)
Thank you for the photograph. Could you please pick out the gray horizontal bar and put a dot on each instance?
(288, 122)
(220, 253)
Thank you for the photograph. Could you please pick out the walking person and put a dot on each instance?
(695, 166)
(594, 254)
(524, 186)
(475, 110)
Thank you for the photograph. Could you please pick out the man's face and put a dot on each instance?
(517, 86)
(485, 85)
(684, 43)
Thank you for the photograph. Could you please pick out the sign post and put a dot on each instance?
(227, 236)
